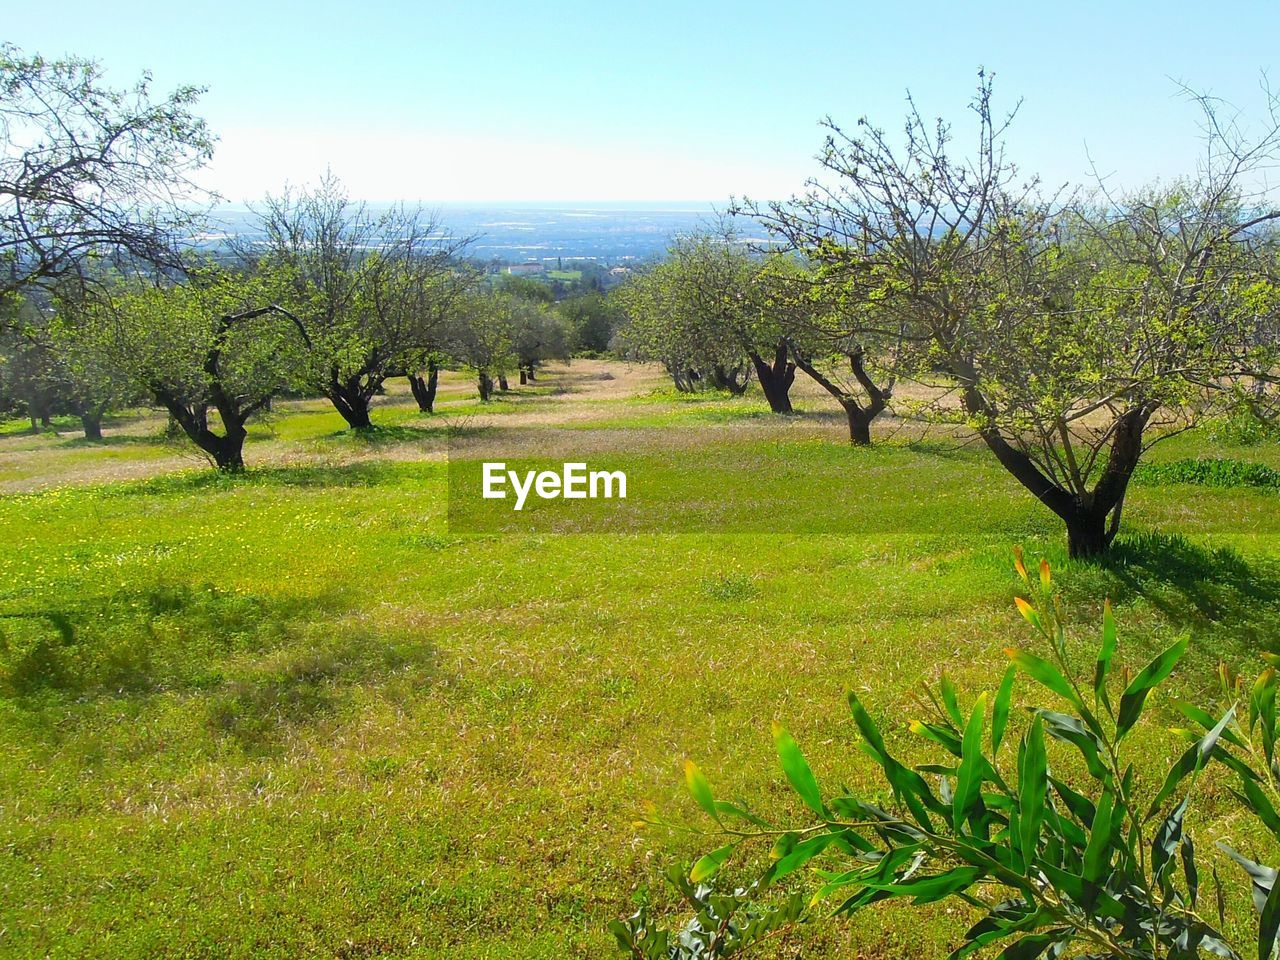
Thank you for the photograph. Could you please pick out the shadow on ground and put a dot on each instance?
(1229, 603)
(261, 665)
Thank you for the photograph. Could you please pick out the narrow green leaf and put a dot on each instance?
(1044, 673)
(1257, 800)
(1168, 838)
(799, 854)
(1205, 720)
(1189, 871)
(950, 701)
(968, 791)
(1135, 695)
(700, 788)
(907, 784)
(1071, 730)
(1000, 709)
(1269, 923)
(709, 864)
(938, 887)
(1033, 789)
(1105, 652)
(1192, 760)
(797, 770)
(1032, 946)
(1097, 855)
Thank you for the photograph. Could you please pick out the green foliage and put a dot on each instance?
(593, 318)
(722, 924)
(1209, 472)
(1241, 428)
(697, 312)
(1053, 863)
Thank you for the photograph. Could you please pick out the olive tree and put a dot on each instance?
(683, 312)
(483, 337)
(440, 300)
(539, 334)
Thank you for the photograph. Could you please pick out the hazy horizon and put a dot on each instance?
(664, 104)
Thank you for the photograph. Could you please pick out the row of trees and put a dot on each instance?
(330, 300)
(1070, 331)
(103, 302)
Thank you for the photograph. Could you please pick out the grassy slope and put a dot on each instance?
(293, 714)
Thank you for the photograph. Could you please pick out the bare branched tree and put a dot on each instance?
(1069, 326)
(86, 169)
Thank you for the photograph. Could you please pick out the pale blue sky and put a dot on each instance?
(655, 101)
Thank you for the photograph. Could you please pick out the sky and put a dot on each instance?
(655, 102)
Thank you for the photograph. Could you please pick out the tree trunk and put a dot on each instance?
(424, 388)
(859, 416)
(776, 378)
(731, 380)
(859, 424)
(92, 423)
(524, 377)
(1092, 518)
(351, 401)
(1087, 534)
(227, 451)
(356, 413)
(533, 376)
(502, 383)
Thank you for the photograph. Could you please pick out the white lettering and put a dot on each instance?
(494, 475)
(608, 478)
(573, 482)
(521, 491)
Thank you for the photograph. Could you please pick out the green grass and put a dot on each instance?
(298, 713)
(1211, 472)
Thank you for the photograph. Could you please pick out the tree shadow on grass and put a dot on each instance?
(1228, 601)
(393, 435)
(137, 642)
(362, 474)
(266, 702)
(257, 666)
(125, 440)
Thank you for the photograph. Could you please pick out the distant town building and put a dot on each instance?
(524, 269)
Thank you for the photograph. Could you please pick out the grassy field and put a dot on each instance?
(299, 713)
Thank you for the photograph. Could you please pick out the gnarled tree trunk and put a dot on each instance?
(226, 451)
(1092, 517)
(776, 378)
(350, 397)
(860, 414)
(424, 388)
(735, 380)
